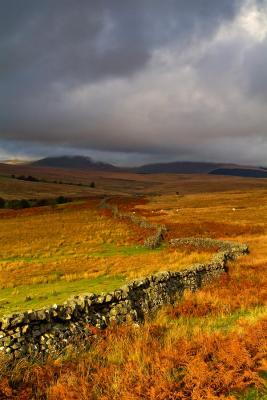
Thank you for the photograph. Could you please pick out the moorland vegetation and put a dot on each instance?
(211, 345)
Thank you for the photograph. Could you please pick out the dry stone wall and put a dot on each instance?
(151, 242)
(51, 329)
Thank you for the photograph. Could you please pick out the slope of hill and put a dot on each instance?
(78, 162)
(86, 163)
(243, 172)
(181, 167)
(176, 167)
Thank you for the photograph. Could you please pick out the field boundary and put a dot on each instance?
(50, 330)
(151, 242)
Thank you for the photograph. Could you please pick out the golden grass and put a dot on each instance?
(240, 213)
(46, 249)
(116, 183)
(210, 345)
(17, 189)
(68, 242)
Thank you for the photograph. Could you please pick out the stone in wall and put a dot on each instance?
(51, 329)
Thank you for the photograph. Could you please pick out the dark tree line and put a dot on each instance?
(18, 204)
(30, 178)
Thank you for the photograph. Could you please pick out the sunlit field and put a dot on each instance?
(212, 344)
(48, 254)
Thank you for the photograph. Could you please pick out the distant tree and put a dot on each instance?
(32, 179)
(61, 200)
(24, 203)
(14, 204)
(92, 184)
(2, 202)
(29, 178)
(41, 202)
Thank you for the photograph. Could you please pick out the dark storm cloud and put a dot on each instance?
(125, 76)
(85, 40)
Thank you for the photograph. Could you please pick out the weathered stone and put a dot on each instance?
(100, 299)
(16, 335)
(36, 333)
(8, 350)
(7, 341)
(52, 329)
(32, 316)
(118, 294)
(109, 298)
(5, 323)
(114, 311)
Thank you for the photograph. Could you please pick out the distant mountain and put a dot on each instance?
(180, 167)
(81, 162)
(244, 172)
(76, 162)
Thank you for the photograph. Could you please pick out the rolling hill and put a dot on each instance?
(243, 172)
(77, 162)
(180, 167)
(176, 167)
(86, 163)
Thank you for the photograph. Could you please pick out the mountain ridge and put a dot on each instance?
(242, 172)
(76, 162)
(178, 167)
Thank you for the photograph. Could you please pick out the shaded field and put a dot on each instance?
(114, 183)
(12, 189)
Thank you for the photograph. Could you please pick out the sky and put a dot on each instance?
(132, 82)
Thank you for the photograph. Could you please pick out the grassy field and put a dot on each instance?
(50, 253)
(210, 345)
(114, 183)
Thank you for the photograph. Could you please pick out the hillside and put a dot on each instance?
(79, 162)
(180, 167)
(243, 172)
(176, 167)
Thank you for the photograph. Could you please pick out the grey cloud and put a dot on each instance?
(93, 39)
(114, 76)
(255, 72)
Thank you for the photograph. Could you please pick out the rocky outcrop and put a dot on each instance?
(51, 329)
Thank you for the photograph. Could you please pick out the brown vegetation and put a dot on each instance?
(211, 345)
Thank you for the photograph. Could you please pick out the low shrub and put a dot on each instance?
(2, 202)
(61, 200)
